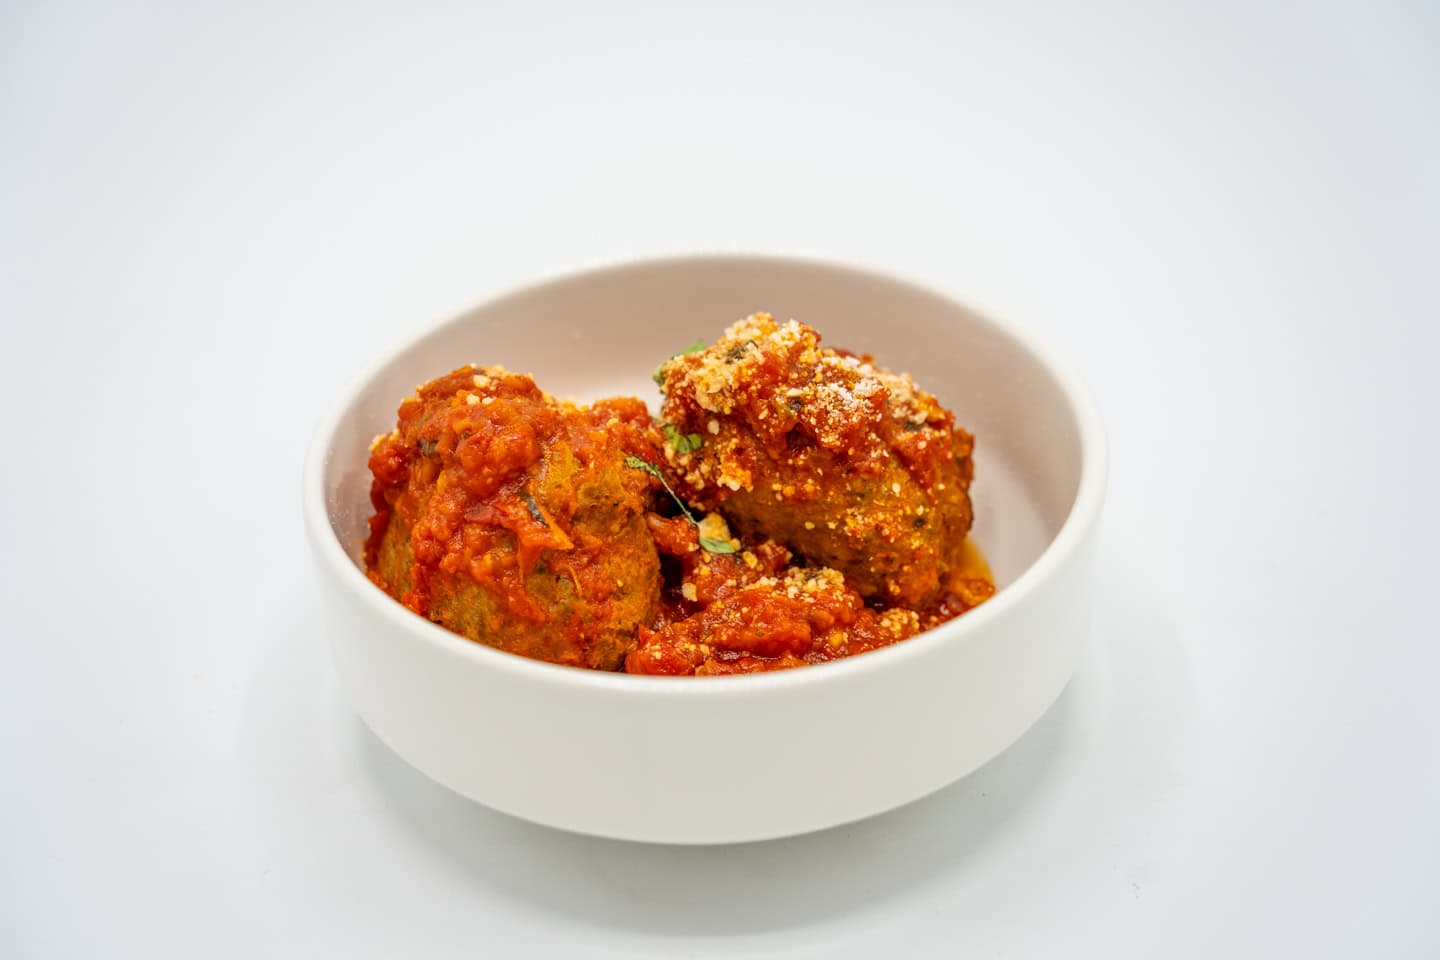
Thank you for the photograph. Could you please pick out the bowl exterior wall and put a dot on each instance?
(662, 765)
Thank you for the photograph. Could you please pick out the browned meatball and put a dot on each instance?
(846, 463)
(512, 519)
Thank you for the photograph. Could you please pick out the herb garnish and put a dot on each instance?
(737, 352)
(659, 375)
(682, 442)
(534, 508)
(708, 544)
(427, 447)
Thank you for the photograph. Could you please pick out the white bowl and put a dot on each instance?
(727, 759)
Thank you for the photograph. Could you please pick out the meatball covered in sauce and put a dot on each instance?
(852, 466)
(511, 518)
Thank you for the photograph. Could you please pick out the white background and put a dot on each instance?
(1228, 216)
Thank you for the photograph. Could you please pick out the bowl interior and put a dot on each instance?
(601, 333)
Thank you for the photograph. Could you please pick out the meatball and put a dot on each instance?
(851, 466)
(753, 610)
(511, 518)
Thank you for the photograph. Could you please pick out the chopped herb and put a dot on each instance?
(682, 442)
(534, 508)
(659, 375)
(919, 522)
(708, 544)
(735, 353)
(711, 545)
(427, 447)
(635, 463)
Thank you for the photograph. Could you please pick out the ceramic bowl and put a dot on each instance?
(728, 759)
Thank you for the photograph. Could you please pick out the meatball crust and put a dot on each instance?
(851, 466)
(511, 518)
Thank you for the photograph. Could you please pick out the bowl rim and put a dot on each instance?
(1084, 510)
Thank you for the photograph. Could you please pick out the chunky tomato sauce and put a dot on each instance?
(756, 610)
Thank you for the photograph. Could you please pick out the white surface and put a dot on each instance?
(667, 760)
(1227, 215)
